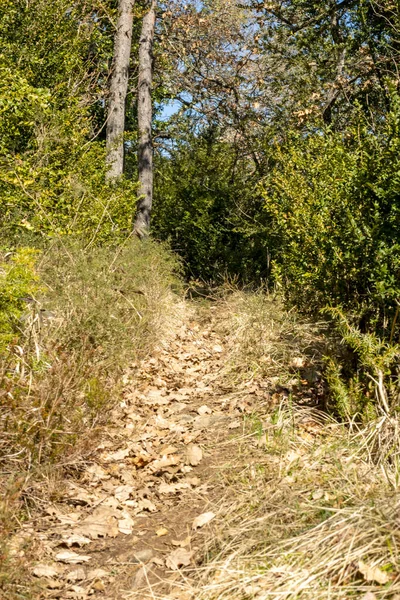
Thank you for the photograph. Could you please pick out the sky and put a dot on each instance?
(169, 109)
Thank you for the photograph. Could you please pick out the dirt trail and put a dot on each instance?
(199, 489)
(138, 514)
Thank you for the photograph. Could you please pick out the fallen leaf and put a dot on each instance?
(101, 523)
(126, 524)
(77, 592)
(78, 495)
(72, 558)
(194, 455)
(96, 473)
(140, 578)
(164, 462)
(162, 423)
(74, 539)
(126, 477)
(144, 556)
(45, 571)
(186, 469)
(146, 504)
(178, 406)
(158, 401)
(69, 519)
(234, 424)
(172, 488)
(190, 437)
(76, 575)
(371, 596)
(99, 586)
(298, 362)
(203, 519)
(193, 481)
(373, 573)
(110, 504)
(141, 461)
(116, 456)
(318, 494)
(202, 422)
(97, 574)
(54, 584)
(162, 531)
(123, 492)
(178, 429)
(178, 558)
(165, 451)
(52, 511)
(182, 543)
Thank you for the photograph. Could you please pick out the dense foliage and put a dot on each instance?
(334, 204)
(278, 162)
(53, 78)
(208, 208)
(301, 184)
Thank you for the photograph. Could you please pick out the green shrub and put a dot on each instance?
(365, 384)
(206, 207)
(334, 203)
(18, 283)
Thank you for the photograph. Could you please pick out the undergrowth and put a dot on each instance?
(266, 340)
(71, 319)
(306, 515)
(311, 503)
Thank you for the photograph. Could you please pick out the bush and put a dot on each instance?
(365, 384)
(18, 283)
(206, 207)
(333, 202)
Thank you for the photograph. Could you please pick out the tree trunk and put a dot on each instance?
(145, 151)
(118, 91)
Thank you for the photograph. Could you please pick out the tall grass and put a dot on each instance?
(90, 314)
(264, 339)
(314, 513)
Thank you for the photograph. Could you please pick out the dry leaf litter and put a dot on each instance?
(137, 510)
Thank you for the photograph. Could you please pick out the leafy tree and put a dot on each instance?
(206, 206)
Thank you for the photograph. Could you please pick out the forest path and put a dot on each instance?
(144, 503)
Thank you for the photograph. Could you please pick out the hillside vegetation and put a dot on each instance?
(268, 136)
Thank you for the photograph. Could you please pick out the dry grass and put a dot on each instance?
(263, 338)
(304, 517)
(311, 508)
(101, 311)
